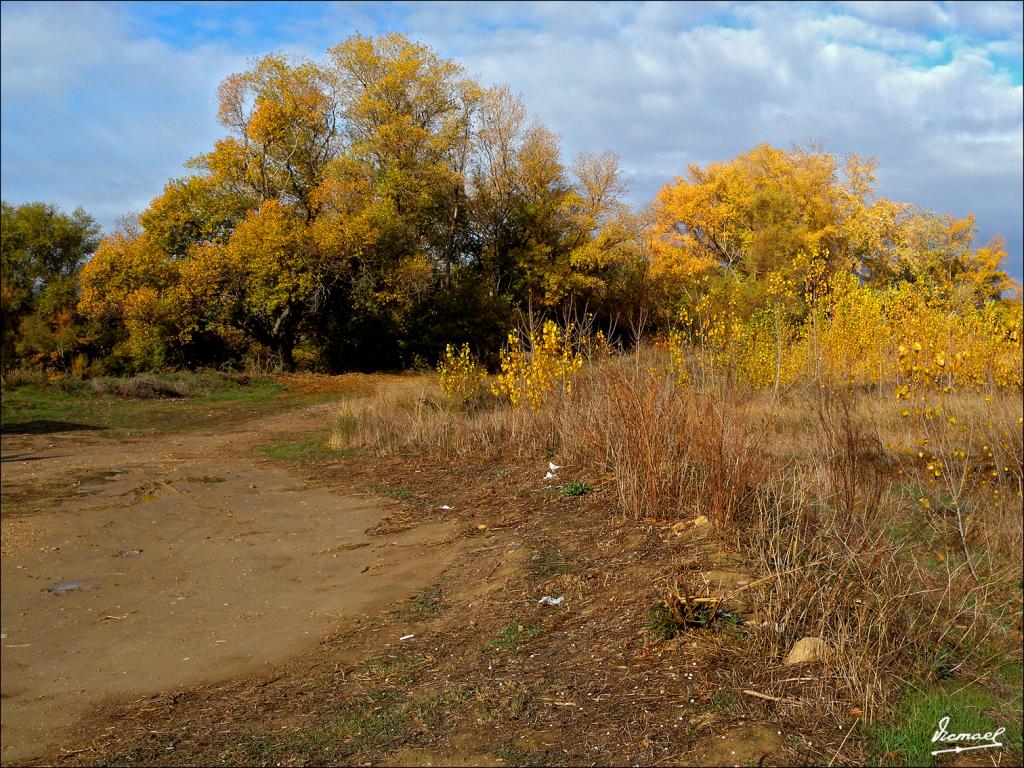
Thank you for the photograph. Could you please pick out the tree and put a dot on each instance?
(127, 286)
(353, 198)
(42, 249)
(773, 223)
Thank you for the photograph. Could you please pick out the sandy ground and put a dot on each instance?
(173, 560)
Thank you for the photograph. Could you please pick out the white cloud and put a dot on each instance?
(97, 112)
(664, 89)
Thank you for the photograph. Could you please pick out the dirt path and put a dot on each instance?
(174, 560)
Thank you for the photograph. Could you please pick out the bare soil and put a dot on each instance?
(137, 566)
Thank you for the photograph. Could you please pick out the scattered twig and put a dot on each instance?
(842, 743)
(766, 697)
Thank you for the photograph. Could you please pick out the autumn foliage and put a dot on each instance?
(363, 212)
(370, 209)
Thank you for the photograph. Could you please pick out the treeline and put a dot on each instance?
(363, 212)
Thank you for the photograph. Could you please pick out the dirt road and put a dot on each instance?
(171, 560)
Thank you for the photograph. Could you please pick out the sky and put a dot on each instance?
(102, 103)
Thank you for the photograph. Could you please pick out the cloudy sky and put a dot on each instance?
(102, 103)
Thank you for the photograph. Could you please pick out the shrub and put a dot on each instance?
(459, 374)
(545, 363)
(142, 387)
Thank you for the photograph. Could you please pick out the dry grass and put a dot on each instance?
(819, 492)
(673, 453)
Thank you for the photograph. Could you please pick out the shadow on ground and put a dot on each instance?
(27, 457)
(45, 427)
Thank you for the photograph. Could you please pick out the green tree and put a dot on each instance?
(41, 250)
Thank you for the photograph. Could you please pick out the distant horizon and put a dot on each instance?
(103, 103)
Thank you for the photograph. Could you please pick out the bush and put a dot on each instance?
(459, 374)
(24, 377)
(141, 387)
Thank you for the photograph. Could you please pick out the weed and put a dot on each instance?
(400, 493)
(304, 450)
(661, 624)
(577, 488)
(514, 635)
(665, 622)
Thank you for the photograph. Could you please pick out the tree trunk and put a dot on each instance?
(285, 353)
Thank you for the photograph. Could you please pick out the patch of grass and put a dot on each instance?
(514, 635)
(398, 493)
(907, 738)
(383, 720)
(724, 700)
(513, 756)
(394, 667)
(1011, 673)
(427, 601)
(310, 449)
(209, 400)
(378, 721)
(577, 488)
(431, 711)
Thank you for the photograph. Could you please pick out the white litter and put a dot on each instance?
(406, 637)
(553, 467)
(445, 506)
(549, 476)
(548, 600)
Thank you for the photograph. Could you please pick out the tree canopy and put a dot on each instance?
(366, 210)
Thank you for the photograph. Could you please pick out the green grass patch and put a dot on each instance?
(309, 449)
(397, 492)
(427, 601)
(515, 757)
(199, 401)
(906, 739)
(380, 722)
(577, 488)
(514, 635)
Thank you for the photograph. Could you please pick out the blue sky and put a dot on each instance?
(102, 103)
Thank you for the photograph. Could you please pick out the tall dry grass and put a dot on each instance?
(822, 492)
(672, 452)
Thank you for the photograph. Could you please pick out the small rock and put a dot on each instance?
(700, 520)
(808, 649)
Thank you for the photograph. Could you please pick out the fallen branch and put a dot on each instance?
(766, 697)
